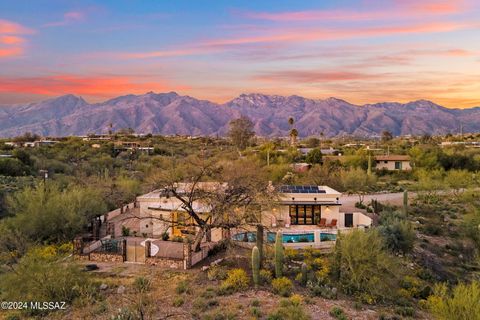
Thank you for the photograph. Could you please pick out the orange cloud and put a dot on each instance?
(96, 86)
(10, 52)
(8, 27)
(11, 40)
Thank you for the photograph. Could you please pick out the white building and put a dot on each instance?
(305, 215)
(393, 163)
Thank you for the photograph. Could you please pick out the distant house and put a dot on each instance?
(329, 151)
(393, 163)
(301, 166)
(41, 143)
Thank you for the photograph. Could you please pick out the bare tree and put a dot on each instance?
(216, 195)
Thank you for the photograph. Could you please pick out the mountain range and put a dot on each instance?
(170, 113)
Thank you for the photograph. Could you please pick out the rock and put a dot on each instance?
(103, 286)
(205, 268)
(334, 290)
(121, 290)
(460, 256)
(216, 262)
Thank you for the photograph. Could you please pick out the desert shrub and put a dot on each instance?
(178, 301)
(216, 273)
(405, 311)
(363, 268)
(282, 286)
(338, 313)
(237, 280)
(319, 289)
(124, 314)
(255, 303)
(142, 284)
(209, 293)
(256, 312)
(289, 310)
(200, 304)
(265, 277)
(432, 229)
(461, 303)
(399, 235)
(296, 299)
(182, 287)
(42, 275)
(224, 313)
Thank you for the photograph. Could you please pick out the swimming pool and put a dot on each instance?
(286, 237)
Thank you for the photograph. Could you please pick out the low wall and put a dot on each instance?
(105, 257)
(165, 262)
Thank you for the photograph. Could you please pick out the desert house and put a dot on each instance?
(306, 216)
(393, 163)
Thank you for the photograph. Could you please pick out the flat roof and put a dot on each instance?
(307, 189)
(393, 158)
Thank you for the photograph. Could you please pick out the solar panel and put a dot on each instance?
(300, 189)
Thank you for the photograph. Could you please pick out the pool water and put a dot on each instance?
(286, 237)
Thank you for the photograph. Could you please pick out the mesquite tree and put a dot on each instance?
(216, 194)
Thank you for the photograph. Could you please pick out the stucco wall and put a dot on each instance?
(390, 165)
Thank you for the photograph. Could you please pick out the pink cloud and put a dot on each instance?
(317, 34)
(397, 10)
(310, 76)
(68, 18)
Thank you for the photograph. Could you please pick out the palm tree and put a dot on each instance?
(293, 131)
(293, 136)
(291, 121)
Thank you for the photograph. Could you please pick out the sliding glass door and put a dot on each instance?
(304, 214)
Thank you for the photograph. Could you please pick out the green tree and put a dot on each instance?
(458, 180)
(52, 214)
(358, 181)
(12, 167)
(314, 156)
(241, 132)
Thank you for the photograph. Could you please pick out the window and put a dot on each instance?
(398, 165)
(304, 214)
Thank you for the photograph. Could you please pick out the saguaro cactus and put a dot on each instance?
(369, 168)
(256, 265)
(304, 271)
(405, 202)
(278, 255)
(260, 243)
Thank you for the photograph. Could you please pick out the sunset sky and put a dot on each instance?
(362, 51)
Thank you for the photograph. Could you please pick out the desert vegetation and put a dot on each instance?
(420, 260)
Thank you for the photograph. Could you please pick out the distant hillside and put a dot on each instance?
(170, 113)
